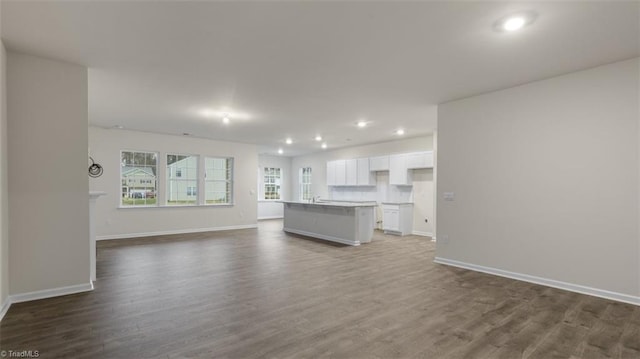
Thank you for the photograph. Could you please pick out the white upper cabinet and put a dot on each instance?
(365, 176)
(361, 171)
(380, 163)
(336, 173)
(420, 160)
(351, 172)
(331, 173)
(399, 174)
(341, 172)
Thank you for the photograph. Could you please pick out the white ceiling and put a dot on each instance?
(300, 69)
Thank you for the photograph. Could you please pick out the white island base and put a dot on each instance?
(346, 223)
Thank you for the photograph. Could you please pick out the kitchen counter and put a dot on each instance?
(343, 222)
(333, 203)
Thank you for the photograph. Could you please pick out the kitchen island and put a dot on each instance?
(343, 222)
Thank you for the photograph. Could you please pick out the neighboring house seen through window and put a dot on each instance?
(218, 180)
(138, 177)
(182, 179)
(185, 185)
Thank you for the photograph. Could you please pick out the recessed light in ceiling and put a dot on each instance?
(400, 132)
(288, 141)
(362, 123)
(318, 138)
(324, 145)
(280, 151)
(515, 22)
(225, 119)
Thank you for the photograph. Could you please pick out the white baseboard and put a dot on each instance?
(5, 307)
(270, 217)
(620, 297)
(48, 293)
(178, 231)
(421, 233)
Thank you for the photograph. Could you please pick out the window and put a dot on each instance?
(272, 183)
(182, 179)
(305, 184)
(218, 180)
(138, 173)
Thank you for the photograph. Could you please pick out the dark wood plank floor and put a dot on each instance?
(261, 293)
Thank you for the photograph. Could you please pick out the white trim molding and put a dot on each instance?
(178, 231)
(422, 233)
(620, 297)
(48, 293)
(270, 217)
(5, 307)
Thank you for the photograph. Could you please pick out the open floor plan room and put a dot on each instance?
(304, 179)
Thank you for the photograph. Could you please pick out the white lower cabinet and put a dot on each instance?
(397, 218)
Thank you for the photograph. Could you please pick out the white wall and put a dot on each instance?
(546, 179)
(4, 201)
(114, 222)
(267, 208)
(47, 174)
(422, 190)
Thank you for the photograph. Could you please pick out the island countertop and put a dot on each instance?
(343, 222)
(333, 204)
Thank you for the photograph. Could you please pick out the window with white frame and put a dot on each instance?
(218, 180)
(138, 177)
(182, 179)
(305, 184)
(272, 183)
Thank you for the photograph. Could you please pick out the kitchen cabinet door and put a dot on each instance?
(365, 177)
(380, 163)
(420, 160)
(341, 173)
(398, 172)
(351, 172)
(391, 220)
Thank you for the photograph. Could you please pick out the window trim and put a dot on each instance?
(161, 178)
(157, 204)
(181, 178)
(302, 184)
(263, 194)
(230, 180)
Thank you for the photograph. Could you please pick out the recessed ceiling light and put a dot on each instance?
(324, 145)
(225, 118)
(362, 124)
(289, 141)
(318, 138)
(280, 151)
(515, 22)
(400, 132)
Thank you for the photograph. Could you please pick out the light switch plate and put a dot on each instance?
(448, 196)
